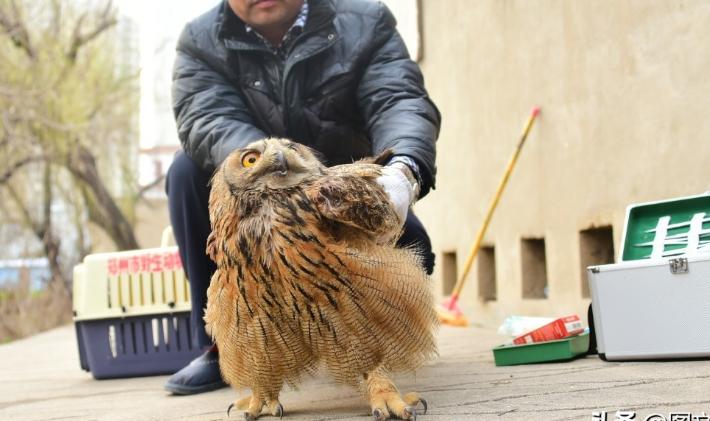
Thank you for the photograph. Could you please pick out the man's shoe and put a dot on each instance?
(201, 375)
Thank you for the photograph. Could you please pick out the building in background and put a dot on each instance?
(32, 274)
(159, 26)
(623, 90)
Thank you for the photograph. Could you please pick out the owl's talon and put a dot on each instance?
(424, 404)
(412, 399)
(249, 417)
(229, 408)
(279, 411)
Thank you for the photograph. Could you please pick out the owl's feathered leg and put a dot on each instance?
(385, 399)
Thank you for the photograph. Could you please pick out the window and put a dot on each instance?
(449, 272)
(487, 273)
(534, 266)
(596, 247)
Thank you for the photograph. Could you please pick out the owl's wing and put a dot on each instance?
(349, 194)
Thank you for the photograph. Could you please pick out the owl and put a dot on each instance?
(308, 277)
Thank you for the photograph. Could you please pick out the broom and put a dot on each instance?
(449, 312)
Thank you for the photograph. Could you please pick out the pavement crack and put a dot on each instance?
(500, 414)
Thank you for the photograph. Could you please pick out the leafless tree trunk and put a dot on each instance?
(103, 210)
(43, 228)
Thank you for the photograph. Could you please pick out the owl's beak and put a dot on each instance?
(280, 164)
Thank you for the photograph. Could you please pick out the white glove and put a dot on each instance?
(400, 191)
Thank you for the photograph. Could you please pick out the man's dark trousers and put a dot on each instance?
(188, 191)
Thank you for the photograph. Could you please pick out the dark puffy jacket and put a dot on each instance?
(347, 88)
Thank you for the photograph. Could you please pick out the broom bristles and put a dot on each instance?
(450, 314)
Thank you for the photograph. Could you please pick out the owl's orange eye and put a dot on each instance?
(250, 158)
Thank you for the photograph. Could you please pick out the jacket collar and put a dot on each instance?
(231, 27)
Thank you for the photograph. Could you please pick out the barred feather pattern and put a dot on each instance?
(309, 275)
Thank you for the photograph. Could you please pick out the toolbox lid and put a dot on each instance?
(667, 228)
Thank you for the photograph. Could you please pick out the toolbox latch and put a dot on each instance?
(678, 265)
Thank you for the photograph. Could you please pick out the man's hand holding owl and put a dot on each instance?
(401, 184)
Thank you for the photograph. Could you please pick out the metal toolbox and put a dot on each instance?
(652, 309)
(654, 304)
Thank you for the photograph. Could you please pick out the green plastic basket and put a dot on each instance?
(564, 349)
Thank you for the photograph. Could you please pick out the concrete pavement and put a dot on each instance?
(41, 380)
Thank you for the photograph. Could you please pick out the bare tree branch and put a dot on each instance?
(34, 116)
(144, 189)
(47, 201)
(6, 175)
(56, 27)
(17, 30)
(43, 229)
(117, 89)
(82, 165)
(107, 19)
(24, 212)
(75, 195)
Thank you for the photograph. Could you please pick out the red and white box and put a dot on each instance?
(558, 329)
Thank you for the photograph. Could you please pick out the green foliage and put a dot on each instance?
(68, 124)
(69, 99)
(68, 88)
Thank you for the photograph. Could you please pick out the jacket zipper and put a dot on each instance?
(290, 65)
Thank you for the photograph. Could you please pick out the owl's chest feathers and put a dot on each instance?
(276, 241)
(281, 265)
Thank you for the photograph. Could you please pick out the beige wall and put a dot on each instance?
(624, 88)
